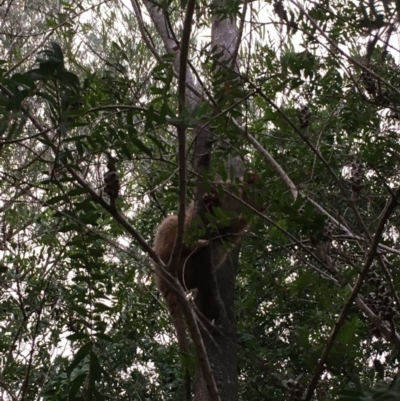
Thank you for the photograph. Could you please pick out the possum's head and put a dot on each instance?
(248, 188)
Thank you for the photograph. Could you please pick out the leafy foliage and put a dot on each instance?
(80, 317)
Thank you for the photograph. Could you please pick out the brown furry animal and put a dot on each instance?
(227, 225)
(228, 222)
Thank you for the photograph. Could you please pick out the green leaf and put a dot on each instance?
(83, 352)
(76, 385)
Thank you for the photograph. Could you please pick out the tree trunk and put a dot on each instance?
(221, 343)
(220, 339)
(217, 292)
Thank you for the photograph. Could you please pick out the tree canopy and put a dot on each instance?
(302, 93)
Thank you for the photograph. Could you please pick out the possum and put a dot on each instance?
(228, 222)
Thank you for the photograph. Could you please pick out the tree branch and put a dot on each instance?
(335, 331)
(171, 47)
(273, 163)
(181, 128)
(338, 49)
(240, 32)
(390, 336)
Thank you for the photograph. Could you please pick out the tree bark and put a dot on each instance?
(221, 341)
